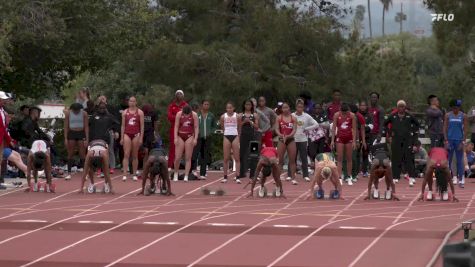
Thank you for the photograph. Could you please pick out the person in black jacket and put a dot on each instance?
(31, 130)
(402, 136)
(369, 126)
(101, 123)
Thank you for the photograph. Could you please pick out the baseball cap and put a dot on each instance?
(179, 91)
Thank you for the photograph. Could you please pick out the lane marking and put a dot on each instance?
(98, 222)
(290, 226)
(226, 224)
(357, 228)
(161, 223)
(29, 221)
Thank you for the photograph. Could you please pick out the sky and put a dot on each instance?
(418, 17)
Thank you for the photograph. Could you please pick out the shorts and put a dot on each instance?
(344, 140)
(148, 140)
(77, 135)
(7, 152)
(230, 138)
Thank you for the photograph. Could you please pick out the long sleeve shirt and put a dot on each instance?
(404, 129)
(435, 120)
(305, 123)
(207, 124)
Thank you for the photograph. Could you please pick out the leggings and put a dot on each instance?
(247, 135)
(315, 148)
(402, 156)
(201, 155)
(455, 146)
(302, 154)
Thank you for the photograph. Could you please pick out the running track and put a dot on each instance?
(68, 229)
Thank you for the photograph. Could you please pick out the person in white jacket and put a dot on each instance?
(305, 124)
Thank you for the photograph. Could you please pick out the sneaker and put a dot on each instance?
(294, 182)
(80, 170)
(461, 185)
(366, 174)
(238, 181)
(288, 179)
(111, 171)
(224, 181)
(411, 182)
(202, 177)
(306, 179)
(185, 179)
(175, 177)
(135, 178)
(124, 178)
(349, 181)
(376, 194)
(445, 196)
(277, 191)
(35, 187)
(91, 188)
(429, 195)
(354, 180)
(341, 181)
(395, 181)
(107, 188)
(262, 192)
(388, 195)
(67, 177)
(454, 180)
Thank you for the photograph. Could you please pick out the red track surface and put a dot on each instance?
(66, 228)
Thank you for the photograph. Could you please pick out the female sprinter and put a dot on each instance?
(248, 124)
(343, 137)
(229, 124)
(76, 134)
(132, 132)
(285, 127)
(186, 138)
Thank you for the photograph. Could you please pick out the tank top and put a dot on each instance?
(286, 128)
(132, 122)
(455, 127)
(76, 121)
(187, 124)
(344, 126)
(251, 117)
(230, 124)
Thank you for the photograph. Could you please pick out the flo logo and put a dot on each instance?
(442, 17)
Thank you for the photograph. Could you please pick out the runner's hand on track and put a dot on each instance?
(421, 198)
(454, 199)
(367, 198)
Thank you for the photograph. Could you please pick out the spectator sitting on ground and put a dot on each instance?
(420, 158)
(469, 159)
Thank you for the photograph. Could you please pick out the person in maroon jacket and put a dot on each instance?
(335, 105)
(5, 139)
(175, 106)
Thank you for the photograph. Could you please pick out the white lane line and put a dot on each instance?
(290, 226)
(98, 222)
(29, 221)
(226, 224)
(160, 223)
(357, 228)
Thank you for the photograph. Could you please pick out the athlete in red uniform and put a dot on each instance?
(343, 136)
(438, 163)
(286, 128)
(186, 137)
(175, 106)
(268, 164)
(132, 131)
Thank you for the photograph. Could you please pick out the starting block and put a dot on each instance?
(149, 190)
(91, 189)
(263, 192)
(429, 196)
(320, 194)
(43, 187)
(207, 192)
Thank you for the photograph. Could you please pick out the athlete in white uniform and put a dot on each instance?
(39, 159)
(229, 123)
(97, 157)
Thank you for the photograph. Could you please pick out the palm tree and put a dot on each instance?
(370, 25)
(386, 4)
